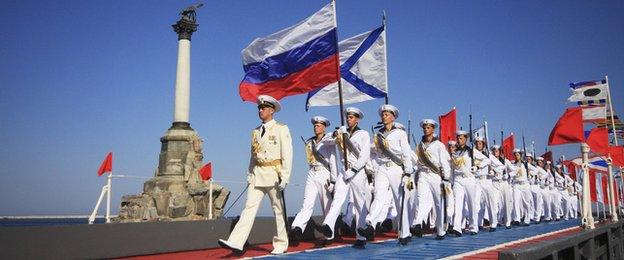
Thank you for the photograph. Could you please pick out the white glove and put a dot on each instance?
(249, 178)
(405, 179)
(342, 130)
(474, 169)
(330, 187)
(348, 175)
(282, 186)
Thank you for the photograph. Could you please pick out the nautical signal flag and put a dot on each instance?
(598, 140)
(293, 61)
(594, 113)
(448, 126)
(569, 128)
(107, 164)
(206, 172)
(594, 91)
(509, 145)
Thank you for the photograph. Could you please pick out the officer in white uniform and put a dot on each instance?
(269, 172)
(351, 182)
(321, 157)
(433, 169)
(503, 170)
(467, 192)
(394, 175)
(522, 195)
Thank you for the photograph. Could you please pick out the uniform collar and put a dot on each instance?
(269, 124)
(354, 129)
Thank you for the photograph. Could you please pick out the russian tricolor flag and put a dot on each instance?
(293, 61)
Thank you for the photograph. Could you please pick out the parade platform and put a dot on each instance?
(484, 245)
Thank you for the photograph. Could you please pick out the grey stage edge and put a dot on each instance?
(127, 239)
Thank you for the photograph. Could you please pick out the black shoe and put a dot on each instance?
(386, 225)
(472, 233)
(537, 222)
(296, 234)
(492, 229)
(416, 231)
(235, 251)
(515, 223)
(404, 240)
(368, 232)
(327, 232)
(438, 237)
(359, 244)
(508, 227)
(455, 232)
(481, 228)
(524, 224)
(327, 242)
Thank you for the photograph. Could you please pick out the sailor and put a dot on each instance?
(559, 192)
(268, 174)
(353, 181)
(568, 198)
(465, 188)
(522, 197)
(394, 175)
(321, 156)
(535, 211)
(433, 169)
(542, 178)
(489, 195)
(502, 170)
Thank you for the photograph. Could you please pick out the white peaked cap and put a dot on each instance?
(320, 119)
(452, 142)
(269, 100)
(539, 158)
(428, 121)
(390, 108)
(529, 155)
(354, 110)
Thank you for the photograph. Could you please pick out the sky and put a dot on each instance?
(81, 78)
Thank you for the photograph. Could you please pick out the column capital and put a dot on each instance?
(185, 28)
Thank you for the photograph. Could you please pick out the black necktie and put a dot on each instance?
(263, 130)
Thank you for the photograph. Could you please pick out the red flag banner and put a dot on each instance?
(605, 190)
(598, 140)
(107, 164)
(592, 185)
(206, 172)
(617, 155)
(547, 156)
(509, 145)
(571, 167)
(569, 128)
(448, 126)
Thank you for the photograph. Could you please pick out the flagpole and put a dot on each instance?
(614, 215)
(337, 57)
(108, 196)
(383, 23)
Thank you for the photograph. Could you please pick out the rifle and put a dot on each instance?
(471, 142)
(526, 163)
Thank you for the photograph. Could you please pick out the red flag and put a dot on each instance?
(605, 190)
(592, 185)
(509, 146)
(448, 126)
(598, 140)
(617, 155)
(569, 128)
(547, 156)
(107, 164)
(206, 172)
(571, 168)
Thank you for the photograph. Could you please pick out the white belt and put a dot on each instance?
(521, 183)
(317, 168)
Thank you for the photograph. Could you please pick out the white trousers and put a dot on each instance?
(555, 208)
(356, 187)
(240, 233)
(314, 188)
(523, 200)
(430, 198)
(538, 202)
(468, 193)
(505, 201)
(547, 196)
(490, 202)
(387, 184)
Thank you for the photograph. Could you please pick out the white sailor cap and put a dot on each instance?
(529, 155)
(390, 108)
(461, 132)
(558, 166)
(539, 158)
(320, 119)
(354, 110)
(399, 126)
(548, 162)
(266, 100)
(495, 147)
(479, 139)
(452, 142)
(428, 122)
(517, 150)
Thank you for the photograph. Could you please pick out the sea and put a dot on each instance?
(25, 221)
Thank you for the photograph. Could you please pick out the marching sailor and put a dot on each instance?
(352, 182)
(563, 195)
(569, 195)
(542, 178)
(465, 187)
(321, 155)
(522, 197)
(268, 174)
(433, 169)
(394, 175)
(535, 211)
(503, 170)
(489, 195)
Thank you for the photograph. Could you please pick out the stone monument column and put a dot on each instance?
(184, 28)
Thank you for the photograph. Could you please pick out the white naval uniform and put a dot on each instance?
(271, 160)
(429, 184)
(567, 197)
(542, 180)
(489, 195)
(318, 177)
(389, 176)
(500, 181)
(561, 196)
(537, 206)
(555, 196)
(522, 195)
(576, 202)
(467, 192)
(357, 186)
